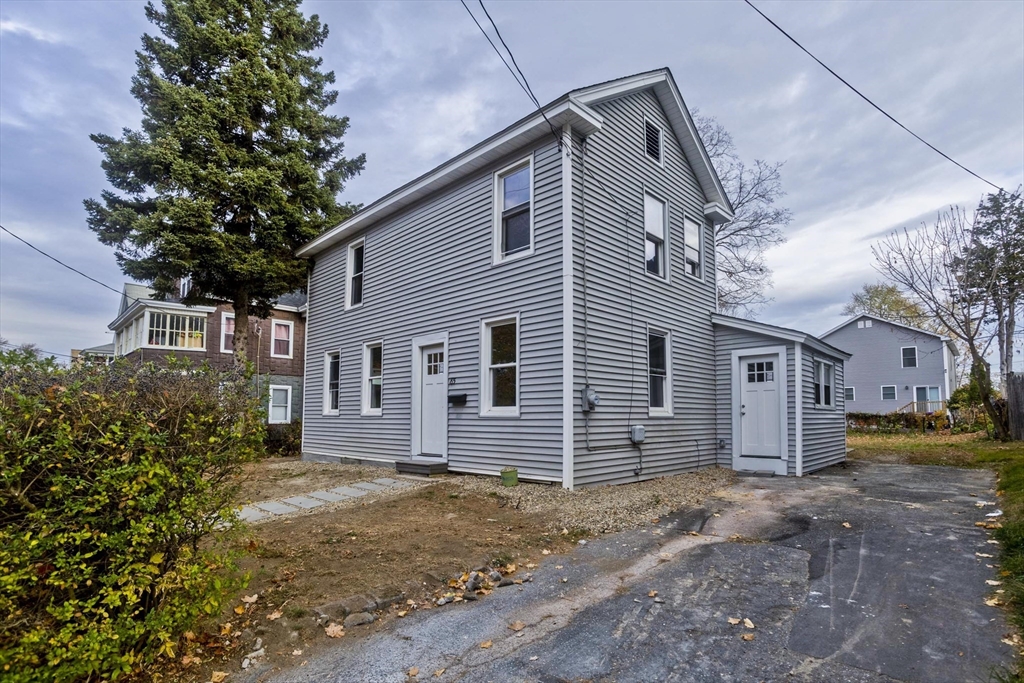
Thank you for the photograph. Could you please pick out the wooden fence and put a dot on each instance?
(1015, 404)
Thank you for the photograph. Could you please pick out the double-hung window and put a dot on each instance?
(659, 385)
(499, 390)
(173, 331)
(513, 215)
(849, 394)
(332, 377)
(824, 384)
(655, 219)
(652, 141)
(888, 392)
(280, 411)
(283, 336)
(373, 378)
(692, 231)
(227, 332)
(356, 256)
(909, 354)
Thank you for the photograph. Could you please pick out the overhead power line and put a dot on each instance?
(54, 258)
(9, 345)
(868, 100)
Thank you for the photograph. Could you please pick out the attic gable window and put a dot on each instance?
(513, 211)
(652, 141)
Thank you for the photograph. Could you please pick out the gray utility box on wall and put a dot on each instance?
(637, 433)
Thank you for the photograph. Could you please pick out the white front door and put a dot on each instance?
(760, 379)
(433, 397)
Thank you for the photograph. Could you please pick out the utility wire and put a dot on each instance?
(520, 76)
(866, 99)
(43, 351)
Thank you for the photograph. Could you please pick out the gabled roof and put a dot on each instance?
(135, 297)
(101, 350)
(917, 330)
(779, 333)
(572, 108)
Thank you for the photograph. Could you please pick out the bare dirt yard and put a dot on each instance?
(384, 556)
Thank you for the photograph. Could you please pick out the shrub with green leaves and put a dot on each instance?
(110, 480)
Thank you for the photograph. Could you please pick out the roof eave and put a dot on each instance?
(779, 333)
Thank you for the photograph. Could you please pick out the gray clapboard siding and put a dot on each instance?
(428, 270)
(728, 340)
(824, 428)
(877, 361)
(622, 300)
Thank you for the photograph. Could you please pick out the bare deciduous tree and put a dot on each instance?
(942, 270)
(743, 277)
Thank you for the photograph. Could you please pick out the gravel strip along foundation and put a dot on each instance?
(605, 508)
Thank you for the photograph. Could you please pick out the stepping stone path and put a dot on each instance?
(314, 499)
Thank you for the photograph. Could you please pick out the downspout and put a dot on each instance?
(305, 354)
(798, 375)
(568, 369)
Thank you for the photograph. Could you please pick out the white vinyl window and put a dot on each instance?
(282, 339)
(909, 354)
(184, 286)
(227, 332)
(655, 220)
(692, 233)
(513, 211)
(849, 394)
(332, 377)
(867, 323)
(356, 263)
(824, 384)
(280, 408)
(373, 378)
(659, 374)
(888, 392)
(173, 331)
(653, 142)
(499, 380)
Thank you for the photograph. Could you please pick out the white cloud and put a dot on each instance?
(16, 27)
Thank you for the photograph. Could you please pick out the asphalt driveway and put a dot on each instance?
(868, 572)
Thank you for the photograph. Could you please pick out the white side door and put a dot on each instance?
(433, 397)
(760, 379)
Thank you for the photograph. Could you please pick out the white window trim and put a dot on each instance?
(666, 255)
(669, 409)
(365, 409)
(825, 406)
(895, 391)
(917, 361)
(326, 397)
(925, 386)
(853, 391)
(274, 322)
(661, 143)
(349, 274)
(496, 201)
(223, 317)
(486, 409)
(270, 404)
(194, 349)
(700, 247)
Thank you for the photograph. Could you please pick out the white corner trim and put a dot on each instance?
(417, 388)
(780, 465)
(305, 358)
(798, 389)
(568, 367)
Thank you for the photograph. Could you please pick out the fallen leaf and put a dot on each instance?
(747, 636)
(982, 554)
(665, 556)
(846, 524)
(517, 626)
(511, 568)
(993, 583)
(655, 520)
(734, 620)
(694, 533)
(748, 623)
(486, 644)
(414, 671)
(558, 566)
(296, 653)
(218, 676)
(250, 599)
(189, 636)
(993, 602)
(545, 552)
(403, 613)
(530, 565)
(652, 594)
(273, 616)
(240, 609)
(225, 629)
(533, 658)
(334, 630)
(189, 660)
(979, 524)
(439, 673)
(993, 542)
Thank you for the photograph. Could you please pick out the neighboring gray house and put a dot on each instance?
(546, 300)
(894, 366)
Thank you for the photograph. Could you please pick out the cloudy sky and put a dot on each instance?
(421, 84)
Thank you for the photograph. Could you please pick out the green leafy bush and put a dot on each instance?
(110, 480)
(896, 422)
(284, 440)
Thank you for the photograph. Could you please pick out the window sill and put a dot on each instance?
(497, 260)
(289, 357)
(353, 306)
(330, 413)
(660, 413)
(500, 412)
(169, 348)
(660, 278)
(278, 422)
(371, 412)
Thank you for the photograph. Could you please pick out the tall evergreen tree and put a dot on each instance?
(236, 163)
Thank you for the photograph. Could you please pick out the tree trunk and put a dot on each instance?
(241, 338)
(997, 306)
(981, 375)
(1011, 329)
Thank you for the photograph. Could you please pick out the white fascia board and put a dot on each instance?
(147, 304)
(779, 333)
(565, 111)
(888, 322)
